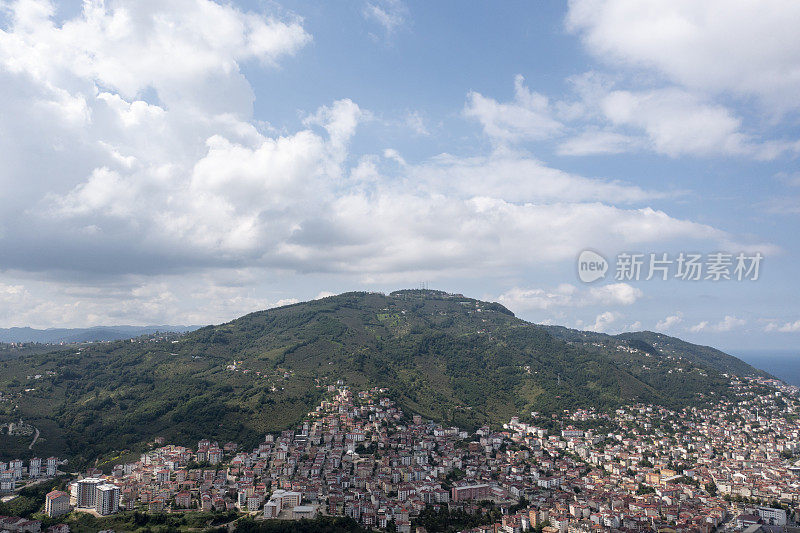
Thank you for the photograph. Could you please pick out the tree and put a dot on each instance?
(644, 489)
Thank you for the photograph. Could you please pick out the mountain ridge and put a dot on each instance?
(664, 345)
(90, 334)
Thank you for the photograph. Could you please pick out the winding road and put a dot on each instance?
(36, 436)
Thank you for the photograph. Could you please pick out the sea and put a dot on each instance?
(783, 364)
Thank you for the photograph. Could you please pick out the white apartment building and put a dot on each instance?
(107, 499)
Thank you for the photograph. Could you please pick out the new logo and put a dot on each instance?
(591, 266)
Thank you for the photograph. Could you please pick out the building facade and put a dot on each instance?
(107, 499)
(86, 496)
(56, 503)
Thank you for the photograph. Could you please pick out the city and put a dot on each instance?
(399, 266)
(642, 467)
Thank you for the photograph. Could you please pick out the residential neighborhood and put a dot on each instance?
(640, 468)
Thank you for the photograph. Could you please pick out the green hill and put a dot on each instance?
(447, 357)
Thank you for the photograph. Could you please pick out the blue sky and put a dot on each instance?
(189, 161)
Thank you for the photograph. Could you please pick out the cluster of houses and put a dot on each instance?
(16, 524)
(640, 468)
(15, 471)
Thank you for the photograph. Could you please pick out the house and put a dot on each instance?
(19, 525)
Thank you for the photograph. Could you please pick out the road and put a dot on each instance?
(14, 494)
(36, 436)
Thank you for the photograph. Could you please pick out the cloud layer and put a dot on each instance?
(134, 168)
(744, 48)
(160, 166)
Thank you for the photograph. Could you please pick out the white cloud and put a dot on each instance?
(234, 199)
(393, 231)
(677, 122)
(729, 323)
(278, 202)
(615, 293)
(566, 296)
(120, 159)
(324, 294)
(517, 177)
(339, 120)
(670, 121)
(604, 321)
(189, 299)
(529, 116)
(393, 155)
(416, 123)
(739, 47)
(390, 14)
(169, 46)
(285, 301)
(518, 299)
(595, 141)
(787, 327)
(12, 296)
(212, 190)
(669, 322)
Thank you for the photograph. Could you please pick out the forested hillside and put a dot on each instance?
(661, 345)
(447, 357)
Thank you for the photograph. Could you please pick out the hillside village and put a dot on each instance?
(359, 455)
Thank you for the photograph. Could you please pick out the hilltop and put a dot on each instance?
(445, 356)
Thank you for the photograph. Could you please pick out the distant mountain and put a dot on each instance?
(662, 346)
(445, 356)
(77, 335)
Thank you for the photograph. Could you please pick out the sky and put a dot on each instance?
(190, 161)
